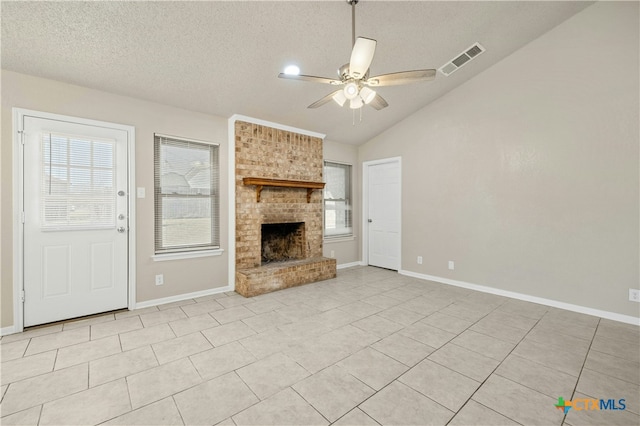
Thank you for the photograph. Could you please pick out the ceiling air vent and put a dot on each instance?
(463, 58)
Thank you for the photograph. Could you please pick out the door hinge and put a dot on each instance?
(22, 217)
(22, 296)
(21, 132)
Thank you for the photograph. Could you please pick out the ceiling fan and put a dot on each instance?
(354, 81)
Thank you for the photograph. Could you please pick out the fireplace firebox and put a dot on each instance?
(282, 242)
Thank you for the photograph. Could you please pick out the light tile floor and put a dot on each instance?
(369, 347)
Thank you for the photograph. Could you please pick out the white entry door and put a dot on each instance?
(75, 219)
(383, 213)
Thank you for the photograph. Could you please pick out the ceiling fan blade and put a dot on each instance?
(324, 100)
(404, 77)
(378, 103)
(361, 56)
(311, 78)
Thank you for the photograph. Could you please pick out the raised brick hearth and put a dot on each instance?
(265, 152)
(279, 275)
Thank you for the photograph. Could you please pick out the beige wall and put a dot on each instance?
(527, 175)
(347, 250)
(180, 276)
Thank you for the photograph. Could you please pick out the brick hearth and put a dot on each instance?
(276, 276)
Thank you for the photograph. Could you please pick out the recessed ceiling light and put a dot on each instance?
(292, 70)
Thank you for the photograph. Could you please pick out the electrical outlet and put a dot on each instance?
(333, 254)
(634, 295)
(452, 265)
(159, 279)
(419, 260)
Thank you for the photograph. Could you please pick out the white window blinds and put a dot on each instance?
(77, 183)
(186, 195)
(337, 200)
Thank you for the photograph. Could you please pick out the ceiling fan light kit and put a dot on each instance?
(356, 103)
(339, 97)
(367, 95)
(354, 76)
(350, 90)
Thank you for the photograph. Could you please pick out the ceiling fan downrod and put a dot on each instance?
(353, 21)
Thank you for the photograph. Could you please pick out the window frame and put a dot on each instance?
(348, 200)
(162, 251)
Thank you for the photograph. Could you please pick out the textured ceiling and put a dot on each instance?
(223, 58)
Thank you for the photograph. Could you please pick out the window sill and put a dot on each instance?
(328, 240)
(186, 255)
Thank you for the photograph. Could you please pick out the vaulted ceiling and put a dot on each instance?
(223, 58)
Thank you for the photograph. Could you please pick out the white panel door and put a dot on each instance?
(75, 224)
(384, 214)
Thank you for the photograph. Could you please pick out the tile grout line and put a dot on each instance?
(56, 399)
(55, 360)
(409, 367)
(126, 384)
(404, 384)
(604, 373)
(173, 399)
(235, 372)
(455, 413)
(310, 404)
(494, 370)
(40, 414)
(584, 361)
(489, 408)
(376, 391)
(26, 348)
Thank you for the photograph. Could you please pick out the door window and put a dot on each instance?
(77, 183)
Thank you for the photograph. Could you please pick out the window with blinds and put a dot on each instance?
(337, 200)
(77, 183)
(186, 195)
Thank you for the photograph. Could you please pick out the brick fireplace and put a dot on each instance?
(278, 210)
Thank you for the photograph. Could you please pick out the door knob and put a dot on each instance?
(121, 193)
(121, 229)
(121, 216)
(370, 220)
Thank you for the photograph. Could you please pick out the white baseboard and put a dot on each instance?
(7, 330)
(180, 297)
(527, 298)
(155, 302)
(349, 265)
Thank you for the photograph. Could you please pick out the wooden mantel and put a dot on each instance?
(260, 183)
